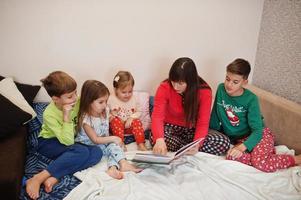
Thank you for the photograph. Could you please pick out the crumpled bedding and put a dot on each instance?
(199, 177)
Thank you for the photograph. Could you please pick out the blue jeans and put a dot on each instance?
(68, 159)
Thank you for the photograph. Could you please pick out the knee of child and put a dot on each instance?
(137, 122)
(80, 149)
(116, 120)
(261, 165)
(96, 151)
(96, 156)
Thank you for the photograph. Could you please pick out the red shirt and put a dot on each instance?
(168, 108)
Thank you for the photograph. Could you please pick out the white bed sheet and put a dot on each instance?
(199, 177)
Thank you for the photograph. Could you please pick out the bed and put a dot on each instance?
(202, 176)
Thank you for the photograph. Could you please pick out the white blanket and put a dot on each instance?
(198, 177)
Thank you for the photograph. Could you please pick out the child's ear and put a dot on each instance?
(55, 98)
(245, 82)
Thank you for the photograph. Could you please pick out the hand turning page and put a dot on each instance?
(164, 159)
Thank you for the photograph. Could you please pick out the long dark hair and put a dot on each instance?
(184, 69)
(91, 90)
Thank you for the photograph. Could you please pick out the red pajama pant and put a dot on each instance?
(263, 156)
(118, 129)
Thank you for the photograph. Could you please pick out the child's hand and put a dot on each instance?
(117, 140)
(193, 150)
(66, 111)
(236, 151)
(128, 123)
(115, 111)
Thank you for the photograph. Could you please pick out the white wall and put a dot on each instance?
(93, 39)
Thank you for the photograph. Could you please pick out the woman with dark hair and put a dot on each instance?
(182, 110)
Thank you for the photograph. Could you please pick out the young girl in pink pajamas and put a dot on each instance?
(125, 109)
(236, 113)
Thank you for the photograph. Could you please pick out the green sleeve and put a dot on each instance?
(255, 124)
(63, 131)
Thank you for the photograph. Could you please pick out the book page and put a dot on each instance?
(153, 158)
(187, 147)
(149, 157)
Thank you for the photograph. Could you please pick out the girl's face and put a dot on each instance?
(124, 94)
(179, 86)
(234, 84)
(98, 105)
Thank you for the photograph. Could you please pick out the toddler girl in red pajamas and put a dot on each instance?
(125, 110)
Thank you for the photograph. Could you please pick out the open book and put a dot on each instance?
(164, 159)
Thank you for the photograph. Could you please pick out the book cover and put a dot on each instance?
(150, 157)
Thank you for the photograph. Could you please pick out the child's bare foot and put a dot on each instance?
(33, 184)
(49, 183)
(142, 147)
(297, 159)
(33, 187)
(115, 173)
(126, 166)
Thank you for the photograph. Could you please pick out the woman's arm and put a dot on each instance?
(202, 124)
(158, 115)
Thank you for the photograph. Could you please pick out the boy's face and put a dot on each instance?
(124, 94)
(98, 105)
(65, 99)
(234, 84)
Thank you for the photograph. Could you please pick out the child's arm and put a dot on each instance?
(136, 113)
(59, 125)
(237, 151)
(67, 112)
(64, 132)
(100, 140)
(255, 123)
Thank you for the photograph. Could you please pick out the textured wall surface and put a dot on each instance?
(278, 60)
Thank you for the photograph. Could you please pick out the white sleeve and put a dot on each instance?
(87, 120)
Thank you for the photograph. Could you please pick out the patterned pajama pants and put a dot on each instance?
(177, 136)
(113, 152)
(263, 155)
(118, 129)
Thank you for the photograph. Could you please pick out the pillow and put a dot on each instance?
(42, 96)
(34, 126)
(143, 99)
(15, 110)
(28, 91)
(11, 117)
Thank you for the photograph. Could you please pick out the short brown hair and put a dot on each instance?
(58, 83)
(123, 79)
(241, 67)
